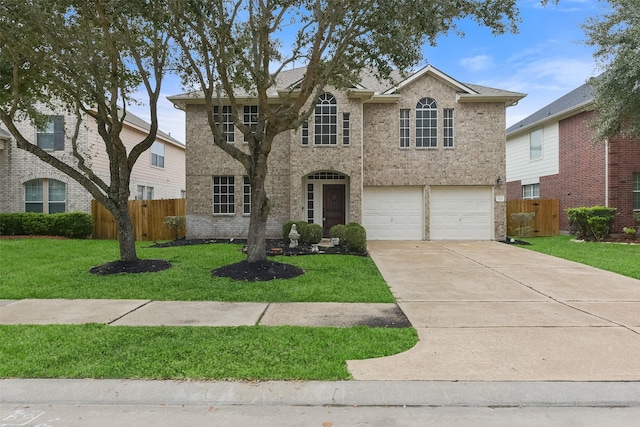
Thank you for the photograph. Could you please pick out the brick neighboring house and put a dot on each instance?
(27, 184)
(551, 154)
(420, 159)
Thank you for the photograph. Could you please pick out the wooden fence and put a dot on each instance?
(147, 217)
(546, 221)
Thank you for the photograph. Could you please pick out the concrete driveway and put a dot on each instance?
(488, 311)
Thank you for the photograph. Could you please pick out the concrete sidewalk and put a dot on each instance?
(487, 311)
(198, 313)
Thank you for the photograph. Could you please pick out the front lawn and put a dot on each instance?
(242, 353)
(46, 268)
(619, 258)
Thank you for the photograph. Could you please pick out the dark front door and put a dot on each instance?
(333, 209)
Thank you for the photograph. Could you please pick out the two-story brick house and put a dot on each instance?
(551, 155)
(28, 184)
(421, 158)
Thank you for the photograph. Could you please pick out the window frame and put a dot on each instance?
(225, 204)
(346, 128)
(54, 130)
(427, 123)
(157, 158)
(304, 133)
(405, 128)
(538, 149)
(228, 128)
(250, 118)
(325, 120)
(531, 191)
(636, 191)
(47, 202)
(246, 196)
(448, 129)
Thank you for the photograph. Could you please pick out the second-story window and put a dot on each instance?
(157, 154)
(304, 134)
(225, 123)
(427, 123)
(447, 127)
(251, 118)
(535, 145)
(50, 135)
(405, 128)
(326, 120)
(346, 130)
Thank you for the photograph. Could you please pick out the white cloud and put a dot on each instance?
(477, 63)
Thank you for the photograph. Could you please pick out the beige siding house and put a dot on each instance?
(29, 184)
(419, 159)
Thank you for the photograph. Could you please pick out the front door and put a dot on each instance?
(333, 207)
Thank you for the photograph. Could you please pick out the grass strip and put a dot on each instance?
(45, 268)
(198, 353)
(619, 258)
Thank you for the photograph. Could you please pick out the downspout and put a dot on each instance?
(361, 161)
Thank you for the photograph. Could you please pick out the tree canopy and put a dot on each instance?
(616, 36)
(85, 58)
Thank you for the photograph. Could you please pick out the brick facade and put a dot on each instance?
(373, 158)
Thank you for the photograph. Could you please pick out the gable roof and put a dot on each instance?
(139, 123)
(378, 89)
(568, 104)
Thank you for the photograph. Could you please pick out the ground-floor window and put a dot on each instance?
(636, 191)
(45, 195)
(246, 195)
(224, 195)
(531, 191)
(144, 192)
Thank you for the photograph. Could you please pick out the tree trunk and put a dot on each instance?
(260, 208)
(126, 234)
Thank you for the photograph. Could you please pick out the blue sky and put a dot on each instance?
(545, 60)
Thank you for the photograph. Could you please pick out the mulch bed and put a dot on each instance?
(139, 266)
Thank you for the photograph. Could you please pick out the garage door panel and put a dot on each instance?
(461, 213)
(393, 213)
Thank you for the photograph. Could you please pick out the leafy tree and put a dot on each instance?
(229, 49)
(616, 36)
(85, 57)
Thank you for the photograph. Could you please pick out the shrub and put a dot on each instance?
(523, 222)
(340, 232)
(11, 224)
(311, 233)
(75, 225)
(356, 237)
(176, 224)
(592, 222)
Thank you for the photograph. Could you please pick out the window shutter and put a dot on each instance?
(58, 131)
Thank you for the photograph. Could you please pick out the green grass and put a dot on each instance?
(274, 353)
(44, 268)
(619, 258)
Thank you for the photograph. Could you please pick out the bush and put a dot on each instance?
(75, 225)
(176, 224)
(339, 232)
(592, 222)
(356, 237)
(311, 234)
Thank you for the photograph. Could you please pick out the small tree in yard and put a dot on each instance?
(86, 58)
(229, 49)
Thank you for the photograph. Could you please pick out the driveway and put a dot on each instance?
(487, 311)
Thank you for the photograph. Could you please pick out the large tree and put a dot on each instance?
(616, 36)
(88, 58)
(233, 48)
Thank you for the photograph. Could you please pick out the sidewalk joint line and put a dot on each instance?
(129, 312)
(262, 314)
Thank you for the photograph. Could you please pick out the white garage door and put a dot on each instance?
(461, 213)
(393, 213)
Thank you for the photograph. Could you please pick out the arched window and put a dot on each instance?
(45, 195)
(426, 123)
(326, 120)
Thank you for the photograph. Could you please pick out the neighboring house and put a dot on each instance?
(551, 155)
(28, 184)
(423, 158)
